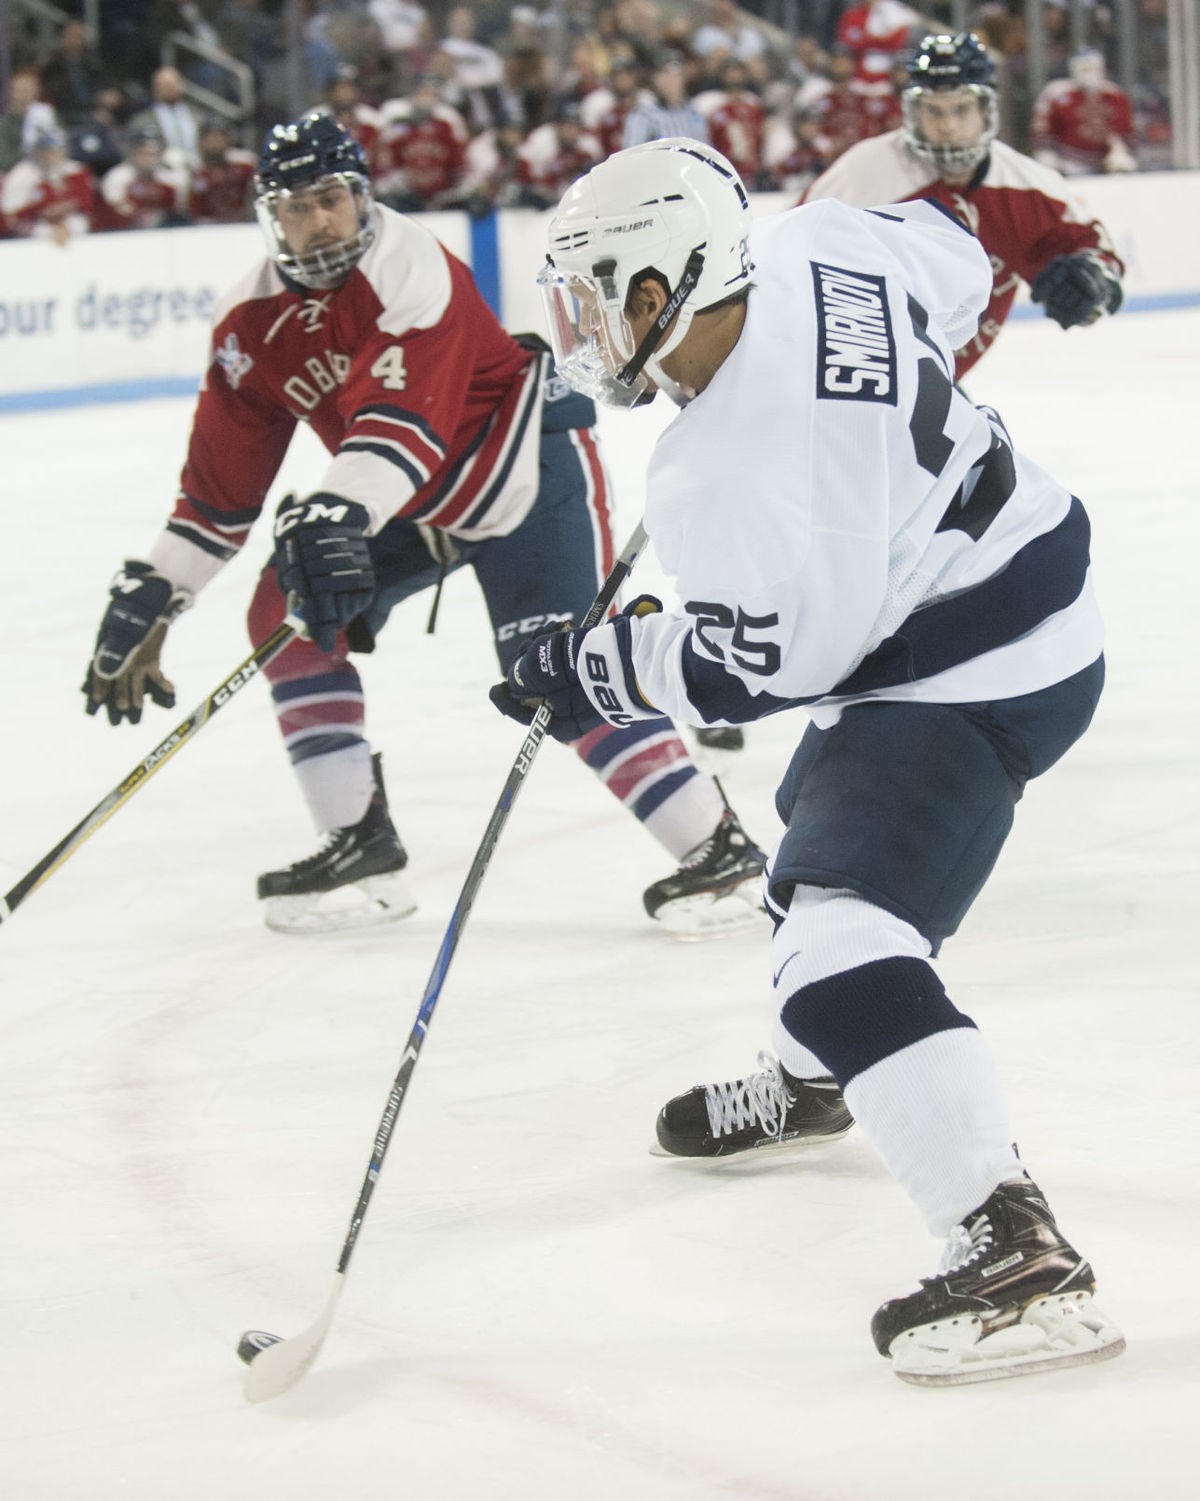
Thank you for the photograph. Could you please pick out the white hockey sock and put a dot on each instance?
(337, 787)
(687, 817)
(935, 1113)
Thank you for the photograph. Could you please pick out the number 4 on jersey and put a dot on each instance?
(389, 368)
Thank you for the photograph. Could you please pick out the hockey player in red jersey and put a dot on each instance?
(1084, 123)
(1029, 221)
(451, 444)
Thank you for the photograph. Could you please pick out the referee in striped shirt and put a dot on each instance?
(672, 112)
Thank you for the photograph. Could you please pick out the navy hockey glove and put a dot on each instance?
(124, 666)
(585, 677)
(322, 557)
(1076, 289)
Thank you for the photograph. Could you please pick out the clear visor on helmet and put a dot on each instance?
(590, 337)
(317, 234)
(952, 129)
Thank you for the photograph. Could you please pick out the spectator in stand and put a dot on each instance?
(553, 156)
(420, 157)
(1084, 123)
(221, 189)
(343, 101)
(604, 112)
(474, 72)
(97, 140)
(172, 119)
(850, 110)
(142, 192)
(671, 112)
(492, 171)
(585, 79)
(73, 75)
(406, 33)
(528, 87)
(639, 26)
(1025, 215)
(876, 34)
(737, 121)
(25, 116)
(796, 153)
(47, 196)
(346, 32)
(726, 35)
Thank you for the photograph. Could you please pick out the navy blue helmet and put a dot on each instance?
(314, 155)
(943, 65)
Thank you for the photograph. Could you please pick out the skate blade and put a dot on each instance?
(368, 903)
(692, 919)
(1065, 1329)
(792, 1146)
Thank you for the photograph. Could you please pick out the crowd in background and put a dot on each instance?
(486, 105)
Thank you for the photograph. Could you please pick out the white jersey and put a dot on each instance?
(841, 522)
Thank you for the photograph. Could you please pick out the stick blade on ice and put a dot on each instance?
(278, 1368)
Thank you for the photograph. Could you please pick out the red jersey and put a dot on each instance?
(1079, 125)
(31, 202)
(421, 156)
(219, 192)
(1022, 213)
(853, 112)
(878, 34)
(430, 409)
(139, 202)
(736, 125)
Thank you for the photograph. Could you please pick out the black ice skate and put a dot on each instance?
(1010, 1297)
(718, 886)
(725, 737)
(353, 881)
(771, 1108)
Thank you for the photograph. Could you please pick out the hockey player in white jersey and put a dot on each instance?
(847, 533)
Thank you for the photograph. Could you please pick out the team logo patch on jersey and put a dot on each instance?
(856, 349)
(234, 360)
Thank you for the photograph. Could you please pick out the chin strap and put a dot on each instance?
(658, 330)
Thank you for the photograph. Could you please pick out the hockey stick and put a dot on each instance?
(291, 626)
(277, 1364)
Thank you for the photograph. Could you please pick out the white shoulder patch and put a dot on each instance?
(262, 281)
(407, 268)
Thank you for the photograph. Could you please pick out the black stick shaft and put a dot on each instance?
(466, 898)
(154, 762)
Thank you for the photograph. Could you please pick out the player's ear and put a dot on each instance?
(647, 297)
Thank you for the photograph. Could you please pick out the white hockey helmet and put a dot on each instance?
(675, 207)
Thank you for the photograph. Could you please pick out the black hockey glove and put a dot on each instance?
(1076, 289)
(546, 670)
(550, 668)
(124, 666)
(322, 557)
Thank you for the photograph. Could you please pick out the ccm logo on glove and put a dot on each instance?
(309, 513)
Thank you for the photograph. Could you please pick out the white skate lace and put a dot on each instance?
(963, 1245)
(760, 1098)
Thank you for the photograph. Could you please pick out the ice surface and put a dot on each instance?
(538, 1307)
